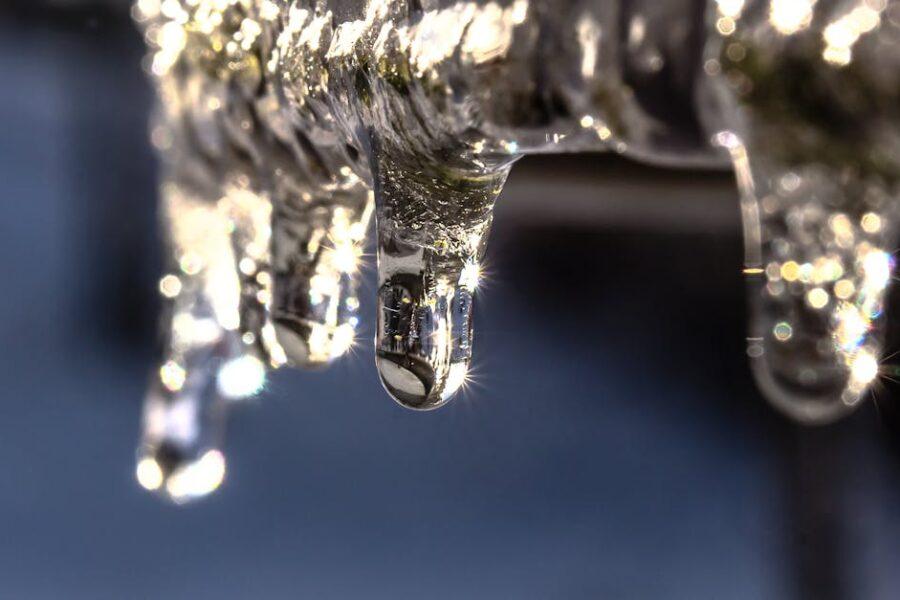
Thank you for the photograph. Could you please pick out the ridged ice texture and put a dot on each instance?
(441, 97)
(316, 106)
(308, 105)
(812, 97)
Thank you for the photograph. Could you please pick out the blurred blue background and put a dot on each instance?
(613, 444)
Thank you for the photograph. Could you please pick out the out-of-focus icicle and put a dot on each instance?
(317, 246)
(263, 237)
(205, 363)
(812, 106)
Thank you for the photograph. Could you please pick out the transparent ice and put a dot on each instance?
(293, 123)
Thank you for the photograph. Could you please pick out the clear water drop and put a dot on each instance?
(432, 227)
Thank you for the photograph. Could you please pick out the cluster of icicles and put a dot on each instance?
(283, 127)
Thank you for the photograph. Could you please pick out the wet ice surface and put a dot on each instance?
(428, 107)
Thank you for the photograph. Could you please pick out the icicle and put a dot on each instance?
(317, 248)
(432, 223)
(813, 121)
(205, 362)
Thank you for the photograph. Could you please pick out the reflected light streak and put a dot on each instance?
(197, 479)
(172, 375)
(241, 377)
(149, 474)
(841, 35)
(790, 16)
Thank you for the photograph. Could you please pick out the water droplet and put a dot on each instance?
(433, 222)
